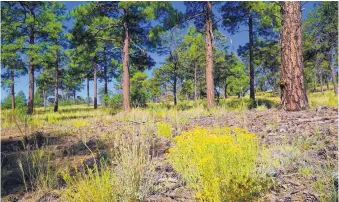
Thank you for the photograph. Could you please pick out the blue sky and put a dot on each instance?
(238, 39)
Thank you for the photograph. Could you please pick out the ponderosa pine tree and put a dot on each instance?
(293, 92)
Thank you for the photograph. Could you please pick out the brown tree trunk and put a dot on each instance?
(12, 90)
(105, 72)
(88, 91)
(293, 93)
(74, 96)
(195, 83)
(250, 25)
(225, 93)
(31, 80)
(334, 74)
(44, 95)
(320, 74)
(95, 83)
(125, 79)
(56, 82)
(209, 56)
(175, 85)
(327, 83)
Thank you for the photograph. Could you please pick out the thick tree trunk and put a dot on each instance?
(95, 83)
(250, 25)
(88, 91)
(125, 79)
(293, 93)
(31, 80)
(12, 90)
(334, 74)
(56, 82)
(209, 56)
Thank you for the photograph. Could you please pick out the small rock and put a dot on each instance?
(311, 198)
(322, 154)
(272, 172)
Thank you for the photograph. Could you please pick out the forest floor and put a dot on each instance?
(302, 148)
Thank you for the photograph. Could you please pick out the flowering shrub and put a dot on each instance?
(164, 129)
(220, 164)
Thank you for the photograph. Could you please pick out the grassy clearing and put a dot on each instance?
(216, 164)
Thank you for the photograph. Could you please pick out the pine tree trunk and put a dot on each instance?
(225, 95)
(334, 74)
(95, 83)
(320, 75)
(12, 90)
(250, 25)
(31, 80)
(195, 83)
(74, 96)
(88, 91)
(327, 82)
(126, 81)
(105, 73)
(209, 56)
(44, 95)
(175, 85)
(315, 81)
(293, 93)
(56, 82)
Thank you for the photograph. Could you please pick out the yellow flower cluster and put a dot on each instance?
(216, 162)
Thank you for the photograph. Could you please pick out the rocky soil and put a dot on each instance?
(312, 133)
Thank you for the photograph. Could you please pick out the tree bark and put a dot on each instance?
(175, 85)
(105, 72)
(250, 25)
(126, 81)
(334, 74)
(95, 83)
(209, 56)
(74, 96)
(293, 93)
(56, 82)
(31, 80)
(225, 95)
(320, 75)
(88, 91)
(195, 83)
(44, 95)
(327, 83)
(12, 90)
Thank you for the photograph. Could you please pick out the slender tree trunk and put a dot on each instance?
(175, 85)
(74, 96)
(12, 90)
(293, 93)
(209, 56)
(126, 82)
(327, 82)
(315, 81)
(31, 80)
(250, 25)
(195, 83)
(56, 82)
(95, 83)
(105, 73)
(334, 74)
(44, 95)
(88, 91)
(320, 74)
(225, 95)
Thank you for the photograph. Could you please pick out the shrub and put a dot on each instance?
(164, 129)
(94, 186)
(220, 164)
